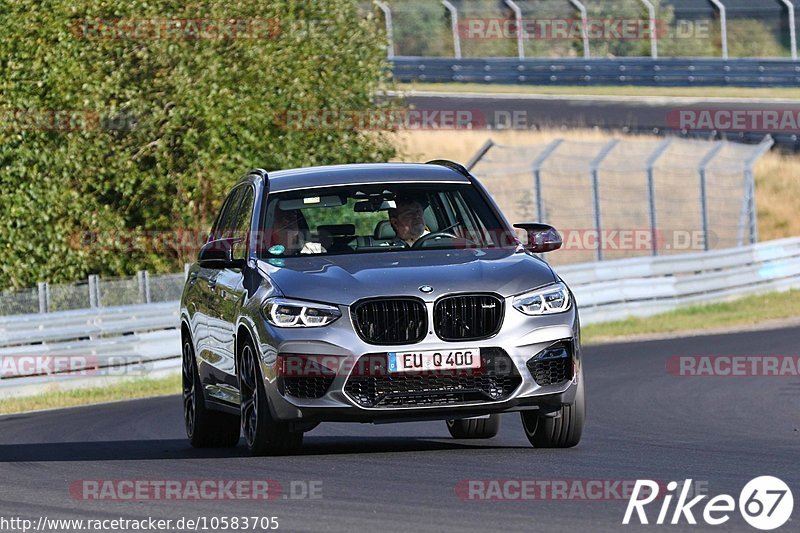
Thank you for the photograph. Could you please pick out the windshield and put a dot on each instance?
(380, 218)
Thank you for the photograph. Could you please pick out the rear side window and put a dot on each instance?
(226, 221)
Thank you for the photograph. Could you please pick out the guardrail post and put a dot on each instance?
(537, 176)
(792, 27)
(584, 24)
(387, 15)
(723, 26)
(454, 28)
(94, 293)
(594, 166)
(703, 198)
(518, 16)
(479, 154)
(44, 297)
(651, 190)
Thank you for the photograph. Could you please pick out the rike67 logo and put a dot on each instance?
(765, 503)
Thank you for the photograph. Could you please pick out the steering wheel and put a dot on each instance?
(430, 236)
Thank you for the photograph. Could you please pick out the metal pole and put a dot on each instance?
(537, 176)
(518, 16)
(584, 23)
(43, 296)
(653, 29)
(593, 166)
(651, 190)
(387, 15)
(93, 292)
(723, 22)
(454, 27)
(792, 27)
(480, 153)
(750, 185)
(703, 197)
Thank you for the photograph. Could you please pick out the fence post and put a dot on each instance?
(479, 154)
(653, 28)
(651, 190)
(703, 198)
(94, 293)
(44, 297)
(518, 17)
(594, 166)
(143, 278)
(584, 30)
(387, 14)
(792, 27)
(723, 25)
(537, 176)
(748, 213)
(454, 28)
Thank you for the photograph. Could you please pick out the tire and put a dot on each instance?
(204, 427)
(476, 428)
(563, 431)
(263, 434)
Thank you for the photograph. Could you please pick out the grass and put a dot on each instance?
(777, 174)
(127, 390)
(739, 312)
(630, 90)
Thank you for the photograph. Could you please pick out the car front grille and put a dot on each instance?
(468, 317)
(391, 321)
(553, 365)
(303, 376)
(495, 381)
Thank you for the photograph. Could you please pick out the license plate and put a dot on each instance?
(435, 360)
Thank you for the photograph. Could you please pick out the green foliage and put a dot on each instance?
(205, 111)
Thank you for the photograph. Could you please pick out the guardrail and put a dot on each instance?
(145, 340)
(744, 72)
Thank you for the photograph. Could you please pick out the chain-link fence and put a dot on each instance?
(627, 198)
(92, 293)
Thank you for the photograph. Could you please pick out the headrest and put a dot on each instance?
(384, 231)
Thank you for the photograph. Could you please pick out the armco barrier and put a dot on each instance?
(607, 290)
(643, 71)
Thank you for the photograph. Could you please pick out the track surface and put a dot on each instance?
(643, 423)
(629, 114)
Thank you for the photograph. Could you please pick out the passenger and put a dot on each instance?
(286, 232)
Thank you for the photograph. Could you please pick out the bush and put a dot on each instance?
(162, 127)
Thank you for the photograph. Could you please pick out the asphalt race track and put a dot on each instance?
(651, 114)
(643, 423)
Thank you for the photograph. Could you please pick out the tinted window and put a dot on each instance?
(226, 221)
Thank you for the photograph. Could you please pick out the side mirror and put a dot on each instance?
(219, 254)
(541, 237)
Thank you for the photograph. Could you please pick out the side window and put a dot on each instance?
(241, 223)
(227, 215)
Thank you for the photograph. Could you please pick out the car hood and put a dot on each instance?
(343, 279)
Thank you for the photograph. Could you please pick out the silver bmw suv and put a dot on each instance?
(375, 293)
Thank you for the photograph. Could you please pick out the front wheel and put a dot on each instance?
(263, 434)
(475, 428)
(561, 431)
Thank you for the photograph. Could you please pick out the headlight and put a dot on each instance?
(547, 301)
(296, 314)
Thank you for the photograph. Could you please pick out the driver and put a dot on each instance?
(407, 220)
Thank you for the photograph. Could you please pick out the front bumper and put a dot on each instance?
(521, 338)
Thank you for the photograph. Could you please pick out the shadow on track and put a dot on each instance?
(138, 450)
